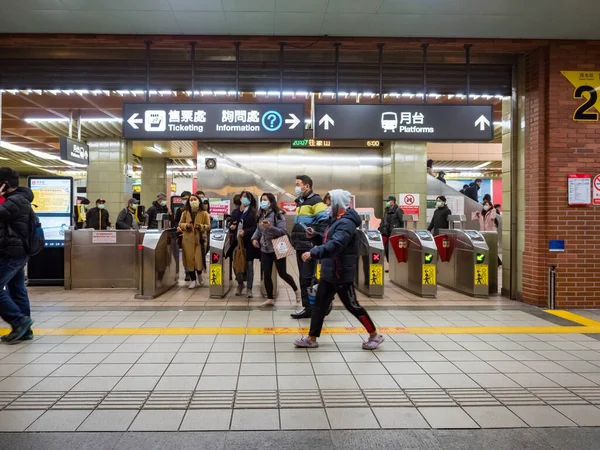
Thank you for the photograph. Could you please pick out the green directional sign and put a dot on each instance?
(480, 258)
(428, 258)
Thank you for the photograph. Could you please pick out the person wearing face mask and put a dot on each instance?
(245, 230)
(126, 218)
(393, 217)
(194, 224)
(310, 212)
(488, 220)
(80, 213)
(234, 220)
(440, 216)
(97, 217)
(159, 206)
(338, 253)
(185, 196)
(271, 225)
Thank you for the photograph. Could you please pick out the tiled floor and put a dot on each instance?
(166, 382)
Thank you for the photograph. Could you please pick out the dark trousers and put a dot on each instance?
(267, 260)
(386, 248)
(347, 294)
(14, 301)
(306, 272)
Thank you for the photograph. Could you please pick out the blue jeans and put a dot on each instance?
(248, 276)
(14, 301)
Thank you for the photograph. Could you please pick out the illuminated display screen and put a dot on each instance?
(52, 202)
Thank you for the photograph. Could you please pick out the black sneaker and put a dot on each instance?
(17, 334)
(26, 337)
(304, 314)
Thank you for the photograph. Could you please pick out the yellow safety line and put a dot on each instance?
(552, 329)
(574, 318)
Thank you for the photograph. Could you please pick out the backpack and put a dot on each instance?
(36, 240)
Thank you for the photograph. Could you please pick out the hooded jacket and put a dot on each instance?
(15, 223)
(473, 192)
(153, 212)
(339, 250)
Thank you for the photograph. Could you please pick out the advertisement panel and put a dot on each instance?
(52, 202)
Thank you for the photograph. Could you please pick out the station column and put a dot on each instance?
(154, 179)
(405, 172)
(107, 174)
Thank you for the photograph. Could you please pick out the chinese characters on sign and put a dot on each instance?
(586, 86)
(579, 189)
(216, 121)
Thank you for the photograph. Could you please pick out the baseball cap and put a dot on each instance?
(100, 200)
(390, 198)
(134, 201)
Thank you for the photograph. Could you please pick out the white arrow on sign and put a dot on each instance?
(326, 120)
(482, 122)
(294, 121)
(133, 121)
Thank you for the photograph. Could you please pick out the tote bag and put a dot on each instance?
(283, 247)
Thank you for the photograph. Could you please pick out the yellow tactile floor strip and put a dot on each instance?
(588, 326)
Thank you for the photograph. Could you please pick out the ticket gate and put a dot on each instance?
(491, 238)
(219, 273)
(413, 259)
(371, 256)
(463, 263)
(158, 270)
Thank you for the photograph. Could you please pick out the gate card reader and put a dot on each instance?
(369, 279)
(413, 262)
(219, 273)
(464, 262)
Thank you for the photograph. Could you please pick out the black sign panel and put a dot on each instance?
(74, 151)
(404, 122)
(191, 121)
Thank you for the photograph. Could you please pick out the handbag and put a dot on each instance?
(239, 258)
(283, 247)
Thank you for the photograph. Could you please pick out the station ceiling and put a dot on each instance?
(532, 19)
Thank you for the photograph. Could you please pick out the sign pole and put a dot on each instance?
(380, 46)
(468, 70)
(193, 64)
(237, 71)
(425, 47)
(337, 72)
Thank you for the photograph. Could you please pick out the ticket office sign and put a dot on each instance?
(192, 121)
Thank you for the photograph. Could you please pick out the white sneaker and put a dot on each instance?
(192, 285)
(269, 302)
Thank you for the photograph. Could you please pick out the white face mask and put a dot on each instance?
(298, 191)
(195, 204)
(486, 208)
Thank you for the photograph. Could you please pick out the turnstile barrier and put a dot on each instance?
(158, 269)
(467, 269)
(413, 265)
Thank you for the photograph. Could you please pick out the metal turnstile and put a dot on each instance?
(102, 259)
(413, 261)
(371, 255)
(463, 263)
(219, 273)
(491, 238)
(158, 269)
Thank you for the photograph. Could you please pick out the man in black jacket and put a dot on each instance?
(98, 218)
(440, 216)
(159, 206)
(126, 218)
(473, 190)
(15, 228)
(310, 212)
(393, 217)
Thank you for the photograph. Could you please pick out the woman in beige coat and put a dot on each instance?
(194, 224)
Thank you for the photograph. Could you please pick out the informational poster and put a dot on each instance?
(580, 186)
(376, 275)
(429, 272)
(104, 237)
(481, 275)
(596, 190)
(410, 204)
(52, 202)
(219, 206)
(216, 275)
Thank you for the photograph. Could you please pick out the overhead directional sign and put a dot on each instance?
(74, 151)
(405, 122)
(183, 121)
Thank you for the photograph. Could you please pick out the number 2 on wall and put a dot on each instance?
(583, 114)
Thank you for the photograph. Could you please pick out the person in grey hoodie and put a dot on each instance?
(338, 252)
(271, 225)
